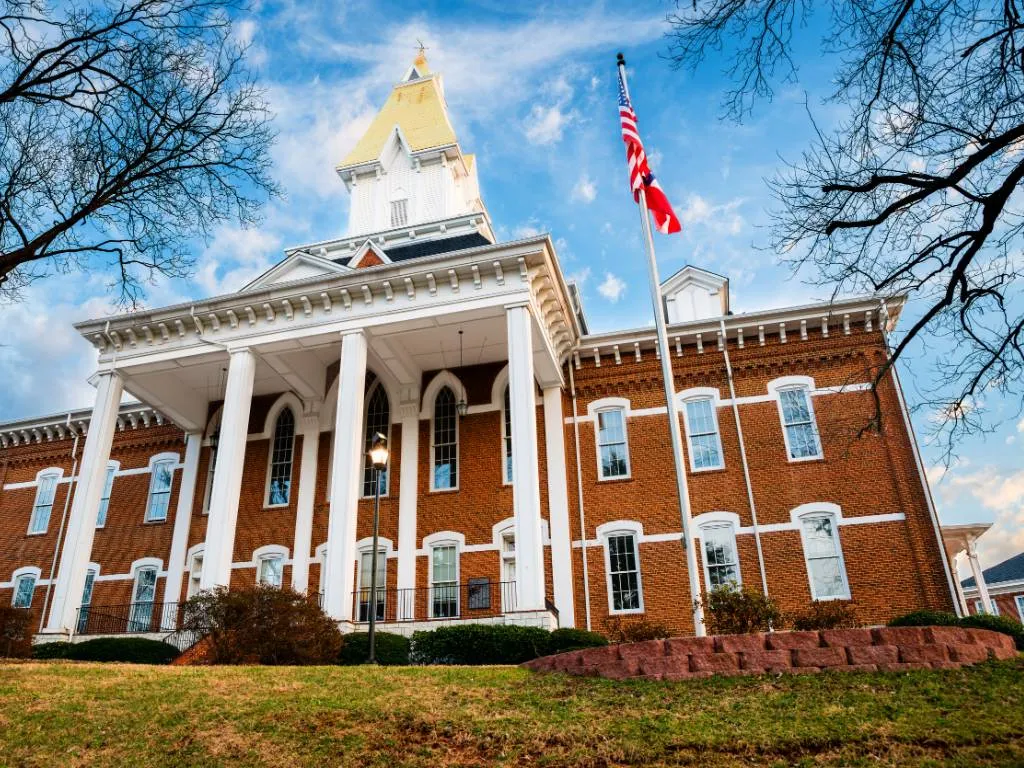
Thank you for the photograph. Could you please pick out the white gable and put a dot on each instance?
(695, 294)
(298, 266)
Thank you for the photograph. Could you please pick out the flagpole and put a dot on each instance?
(672, 406)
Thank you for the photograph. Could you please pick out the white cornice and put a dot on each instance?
(67, 424)
(344, 247)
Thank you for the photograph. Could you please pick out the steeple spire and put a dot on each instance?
(420, 62)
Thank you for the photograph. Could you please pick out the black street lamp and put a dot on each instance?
(378, 454)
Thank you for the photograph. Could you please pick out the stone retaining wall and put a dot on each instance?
(883, 648)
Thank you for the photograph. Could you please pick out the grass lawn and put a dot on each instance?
(60, 713)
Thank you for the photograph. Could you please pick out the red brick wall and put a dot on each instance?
(1006, 603)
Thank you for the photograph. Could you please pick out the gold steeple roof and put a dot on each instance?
(417, 108)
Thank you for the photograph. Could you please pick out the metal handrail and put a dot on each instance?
(476, 598)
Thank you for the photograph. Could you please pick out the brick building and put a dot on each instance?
(531, 476)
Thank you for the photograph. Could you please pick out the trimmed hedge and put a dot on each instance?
(567, 639)
(58, 650)
(479, 644)
(131, 650)
(389, 648)
(1002, 624)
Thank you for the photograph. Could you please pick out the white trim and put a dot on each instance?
(268, 552)
(444, 539)
(25, 572)
(285, 399)
(160, 458)
(822, 510)
(116, 465)
(806, 383)
(712, 521)
(54, 472)
(145, 562)
(697, 394)
(366, 248)
(384, 545)
(441, 379)
(606, 405)
(498, 387)
(290, 401)
(444, 379)
(622, 527)
(376, 384)
(1018, 601)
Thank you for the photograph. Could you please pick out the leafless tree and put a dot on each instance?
(127, 130)
(914, 191)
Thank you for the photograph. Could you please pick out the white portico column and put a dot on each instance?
(558, 507)
(525, 473)
(408, 484)
(979, 577)
(77, 549)
(227, 475)
(182, 521)
(304, 502)
(346, 478)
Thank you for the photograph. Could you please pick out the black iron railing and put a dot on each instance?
(130, 618)
(477, 598)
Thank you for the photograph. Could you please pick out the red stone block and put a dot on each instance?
(873, 654)
(618, 670)
(643, 650)
(992, 639)
(1004, 653)
(968, 654)
(948, 636)
(684, 646)
(861, 668)
(658, 667)
(714, 662)
(819, 657)
(737, 643)
(599, 655)
(923, 654)
(898, 635)
(785, 641)
(759, 661)
(846, 638)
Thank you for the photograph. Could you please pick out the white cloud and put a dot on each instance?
(723, 219)
(235, 257)
(1011, 439)
(612, 288)
(585, 189)
(526, 230)
(1020, 426)
(580, 277)
(545, 125)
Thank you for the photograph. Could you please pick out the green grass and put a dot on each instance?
(69, 714)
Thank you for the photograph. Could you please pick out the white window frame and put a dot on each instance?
(605, 405)
(718, 522)
(699, 394)
(385, 490)
(45, 474)
(20, 575)
(806, 383)
(272, 420)
(365, 547)
(622, 528)
(436, 541)
(399, 206)
(138, 568)
(113, 467)
(433, 441)
(824, 511)
(270, 552)
(994, 607)
(173, 460)
(507, 470)
(83, 618)
(194, 573)
(1018, 600)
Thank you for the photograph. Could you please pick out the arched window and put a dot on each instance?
(282, 450)
(506, 436)
(445, 446)
(378, 419)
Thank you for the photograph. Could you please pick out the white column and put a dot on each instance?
(227, 475)
(408, 484)
(525, 473)
(558, 507)
(77, 548)
(305, 502)
(346, 478)
(979, 577)
(182, 521)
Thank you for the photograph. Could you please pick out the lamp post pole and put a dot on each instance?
(379, 457)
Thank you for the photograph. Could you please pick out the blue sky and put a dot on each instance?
(531, 91)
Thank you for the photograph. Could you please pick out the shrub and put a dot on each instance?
(262, 625)
(389, 648)
(15, 632)
(479, 644)
(829, 614)
(568, 639)
(132, 650)
(636, 631)
(739, 611)
(58, 650)
(926, 619)
(1003, 624)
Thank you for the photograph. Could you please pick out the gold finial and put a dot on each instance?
(421, 57)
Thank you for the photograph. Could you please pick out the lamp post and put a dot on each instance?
(379, 458)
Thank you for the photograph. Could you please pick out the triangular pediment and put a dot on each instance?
(299, 266)
(369, 254)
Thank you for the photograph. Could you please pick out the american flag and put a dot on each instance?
(640, 176)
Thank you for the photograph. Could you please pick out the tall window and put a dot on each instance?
(46, 489)
(721, 566)
(506, 436)
(24, 587)
(160, 480)
(825, 567)
(702, 430)
(444, 581)
(108, 487)
(210, 469)
(282, 451)
(378, 419)
(365, 569)
(399, 212)
(993, 607)
(83, 612)
(446, 440)
(798, 423)
(271, 570)
(624, 573)
(613, 454)
(143, 597)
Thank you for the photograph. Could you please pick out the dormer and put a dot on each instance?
(695, 294)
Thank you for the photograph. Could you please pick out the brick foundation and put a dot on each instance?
(886, 649)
